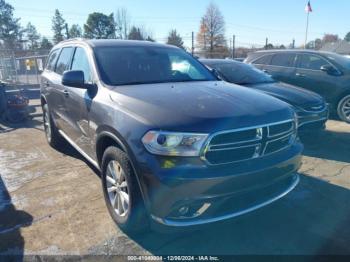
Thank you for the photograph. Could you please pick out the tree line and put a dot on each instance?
(98, 26)
(210, 40)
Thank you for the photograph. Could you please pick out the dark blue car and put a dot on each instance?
(310, 107)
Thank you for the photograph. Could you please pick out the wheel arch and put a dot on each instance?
(107, 137)
(43, 100)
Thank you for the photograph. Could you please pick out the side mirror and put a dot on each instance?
(330, 70)
(74, 78)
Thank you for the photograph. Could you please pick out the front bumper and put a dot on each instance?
(310, 120)
(182, 192)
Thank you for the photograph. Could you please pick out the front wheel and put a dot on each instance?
(121, 191)
(344, 109)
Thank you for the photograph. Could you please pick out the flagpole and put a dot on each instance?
(307, 29)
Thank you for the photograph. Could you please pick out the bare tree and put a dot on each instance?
(122, 23)
(211, 35)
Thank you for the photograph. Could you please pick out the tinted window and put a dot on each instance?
(283, 60)
(64, 60)
(312, 62)
(52, 60)
(81, 62)
(239, 73)
(141, 65)
(265, 60)
(339, 59)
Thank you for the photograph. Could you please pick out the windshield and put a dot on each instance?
(343, 61)
(240, 73)
(144, 65)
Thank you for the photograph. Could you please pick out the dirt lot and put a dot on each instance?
(51, 203)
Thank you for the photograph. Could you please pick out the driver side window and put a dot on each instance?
(312, 62)
(81, 62)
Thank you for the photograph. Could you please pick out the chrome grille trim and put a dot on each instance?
(257, 138)
(259, 142)
(282, 133)
(274, 140)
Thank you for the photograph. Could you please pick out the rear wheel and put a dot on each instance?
(53, 137)
(344, 109)
(121, 191)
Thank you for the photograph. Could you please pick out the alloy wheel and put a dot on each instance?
(345, 109)
(117, 188)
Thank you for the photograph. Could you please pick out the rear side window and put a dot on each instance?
(52, 60)
(286, 60)
(265, 60)
(64, 59)
(312, 62)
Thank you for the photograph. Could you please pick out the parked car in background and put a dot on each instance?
(173, 143)
(327, 74)
(311, 108)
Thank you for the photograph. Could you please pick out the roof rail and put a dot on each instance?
(72, 39)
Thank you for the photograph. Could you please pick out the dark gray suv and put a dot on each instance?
(327, 74)
(174, 145)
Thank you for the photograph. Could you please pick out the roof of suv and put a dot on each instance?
(112, 42)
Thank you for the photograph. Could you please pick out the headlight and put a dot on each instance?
(173, 143)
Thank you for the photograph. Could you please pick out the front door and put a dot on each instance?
(78, 103)
(309, 75)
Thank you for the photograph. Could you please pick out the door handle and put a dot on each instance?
(299, 75)
(265, 71)
(66, 93)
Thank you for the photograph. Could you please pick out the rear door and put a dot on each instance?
(282, 67)
(48, 78)
(58, 89)
(309, 75)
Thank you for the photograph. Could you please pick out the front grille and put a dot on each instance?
(244, 144)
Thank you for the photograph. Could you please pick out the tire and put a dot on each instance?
(129, 215)
(53, 137)
(344, 109)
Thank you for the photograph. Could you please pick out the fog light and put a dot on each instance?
(183, 210)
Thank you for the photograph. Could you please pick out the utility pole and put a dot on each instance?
(233, 46)
(266, 42)
(67, 31)
(192, 43)
(293, 44)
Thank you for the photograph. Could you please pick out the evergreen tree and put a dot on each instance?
(99, 25)
(10, 29)
(58, 24)
(175, 39)
(75, 31)
(135, 34)
(45, 44)
(32, 36)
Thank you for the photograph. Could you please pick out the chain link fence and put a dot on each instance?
(22, 67)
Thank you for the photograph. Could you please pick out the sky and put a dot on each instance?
(251, 21)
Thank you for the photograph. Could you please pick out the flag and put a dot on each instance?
(308, 7)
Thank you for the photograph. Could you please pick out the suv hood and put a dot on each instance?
(291, 94)
(200, 106)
